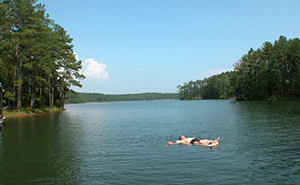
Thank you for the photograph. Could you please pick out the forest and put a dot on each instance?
(38, 66)
(214, 87)
(99, 97)
(37, 61)
(272, 72)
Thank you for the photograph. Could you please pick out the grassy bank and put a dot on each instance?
(30, 112)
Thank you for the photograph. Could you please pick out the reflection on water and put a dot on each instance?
(126, 143)
(37, 150)
(270, 132)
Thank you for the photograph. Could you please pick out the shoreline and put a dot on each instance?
(15, 114)
(119, 101)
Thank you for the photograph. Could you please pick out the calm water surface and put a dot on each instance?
(126, 143)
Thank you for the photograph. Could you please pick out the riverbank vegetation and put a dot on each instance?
(37, 61)
(271, 72)
(214, 87)
(98, 97)
(30, 111)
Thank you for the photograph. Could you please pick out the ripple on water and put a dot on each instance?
(126, 143)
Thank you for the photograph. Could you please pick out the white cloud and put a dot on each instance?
(95, 69)
(76, 57)
(140, 69)
(209, 73)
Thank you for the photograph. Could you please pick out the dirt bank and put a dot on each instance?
(22, 114)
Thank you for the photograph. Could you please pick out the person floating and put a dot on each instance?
(193, 140)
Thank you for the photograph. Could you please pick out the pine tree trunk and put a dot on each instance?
(19, 86)
(51, 94)
(62, 94)
(32, 94)
(18, 74)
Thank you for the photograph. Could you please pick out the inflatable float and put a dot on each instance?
(209, 145)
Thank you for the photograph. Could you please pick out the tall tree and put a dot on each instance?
(68, 64)
(270, 72)
(37, 59)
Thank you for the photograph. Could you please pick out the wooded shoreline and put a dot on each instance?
(24, 114)
(37, 58)
(272, 72)
(99, 97)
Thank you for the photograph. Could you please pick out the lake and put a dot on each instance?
(126, 143)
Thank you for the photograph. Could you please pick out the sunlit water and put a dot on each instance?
(126, 143)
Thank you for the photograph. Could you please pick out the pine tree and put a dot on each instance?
(37, 60)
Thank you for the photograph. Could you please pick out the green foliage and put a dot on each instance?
(73, 97)
(214, 87)
(271, 72)
(37, 61)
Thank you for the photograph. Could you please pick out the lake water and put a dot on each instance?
(126, 143)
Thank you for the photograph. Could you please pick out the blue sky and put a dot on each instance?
(136, 46)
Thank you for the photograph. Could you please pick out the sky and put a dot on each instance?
(137, 46)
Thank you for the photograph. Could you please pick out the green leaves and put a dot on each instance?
(36, 56)
(270, 72)
(214, 87)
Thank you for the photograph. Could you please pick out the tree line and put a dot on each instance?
(269, 73)
(214, 87)
(99, 97)
(37, 61)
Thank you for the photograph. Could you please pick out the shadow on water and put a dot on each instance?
(34, 150)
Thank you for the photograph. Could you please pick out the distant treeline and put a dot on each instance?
(99, 97)
(269, 73)
(214, 87)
